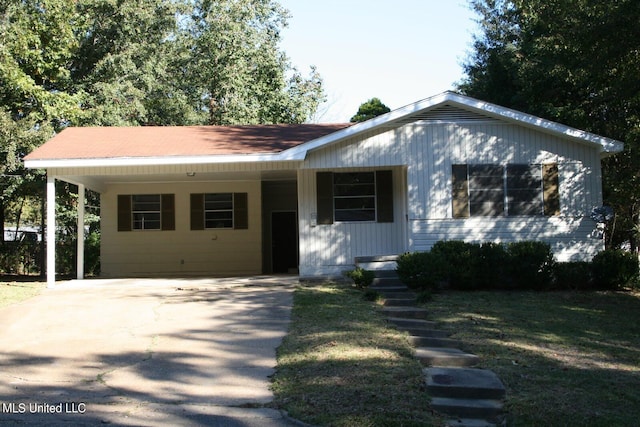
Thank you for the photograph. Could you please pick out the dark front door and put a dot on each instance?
(284, 242)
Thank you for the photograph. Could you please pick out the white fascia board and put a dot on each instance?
(607, 145)
(156, 161)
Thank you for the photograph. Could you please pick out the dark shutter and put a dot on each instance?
(168, 211)
(124, 212)
(460, 191)
(384, 196)
(240, 211)
(324, 194)
(197, 211)
(551, 189)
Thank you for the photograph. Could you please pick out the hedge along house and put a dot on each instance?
(242, 200)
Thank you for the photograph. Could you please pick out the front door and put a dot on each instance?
(284, 242)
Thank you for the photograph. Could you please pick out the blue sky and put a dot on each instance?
(400, 51)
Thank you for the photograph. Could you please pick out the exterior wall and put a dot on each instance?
(421, 155)
(181, 251)
(328, 250)
(432, 150)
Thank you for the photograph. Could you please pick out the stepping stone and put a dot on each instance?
(399, 302)
(406, 312)
(425, 341)
(486, 409)
(425, 332)
(469, 422)
(464, 383)
(403, 322)
(445, 357)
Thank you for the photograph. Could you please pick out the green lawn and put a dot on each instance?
(340, 365)
(567, 359)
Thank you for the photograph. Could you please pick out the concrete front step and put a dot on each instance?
(423, 341)
(486, 409)
(387, 281)
(464, 383)
(425, 332)
(388, 288)
(445, 357)
(405, 312)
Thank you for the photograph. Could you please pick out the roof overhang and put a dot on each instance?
(412, 112)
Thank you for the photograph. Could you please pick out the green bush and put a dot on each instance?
(460, 263)
(531, 265)
(576, 276)
(421, 270)
(492, 266)
(615, 269)
(361, 277)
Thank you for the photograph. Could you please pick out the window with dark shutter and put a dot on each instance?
(354, 196)
(146, 212)
(514, 190)
(240, 211)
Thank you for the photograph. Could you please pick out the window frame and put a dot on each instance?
(542, 185)
(341, 196)
(226, 210)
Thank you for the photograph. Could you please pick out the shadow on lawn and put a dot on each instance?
(565, 358)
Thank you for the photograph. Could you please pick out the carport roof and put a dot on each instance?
(76, 143)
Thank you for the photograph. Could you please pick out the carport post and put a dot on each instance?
(51, 231)
(80, 256)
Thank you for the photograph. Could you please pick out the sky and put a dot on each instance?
(400, 51)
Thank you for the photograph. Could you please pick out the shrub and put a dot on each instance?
(492, 266)
(576, 276)
(531, 265)
(361, 277)
(421, 270)
(460, 263)
(614, 269)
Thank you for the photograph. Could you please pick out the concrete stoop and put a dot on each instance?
(472, 396)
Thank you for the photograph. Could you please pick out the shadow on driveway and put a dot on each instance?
(144, 352)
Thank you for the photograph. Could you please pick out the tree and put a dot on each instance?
(370, 109)
(574, 62)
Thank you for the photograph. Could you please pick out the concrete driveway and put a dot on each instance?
(145, 352)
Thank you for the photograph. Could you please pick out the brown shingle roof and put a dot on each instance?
(161, 141)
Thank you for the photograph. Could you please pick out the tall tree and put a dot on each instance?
(235, 71)
(370, 109)
(572, 61)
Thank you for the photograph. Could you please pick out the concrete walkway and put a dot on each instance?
(145, 352)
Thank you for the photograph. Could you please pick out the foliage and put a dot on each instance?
(20, 257)
(370, 109)
(615, 269)
(575, 276)
(361, 277)
(530, 265)
(567, 61)
(420, 270)
(526, 265)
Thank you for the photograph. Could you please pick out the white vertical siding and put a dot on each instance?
(327, 250)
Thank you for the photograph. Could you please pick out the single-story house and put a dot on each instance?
(308, 199)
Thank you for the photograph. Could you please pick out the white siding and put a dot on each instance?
(327, 250)
(181, 251)
(428, 150)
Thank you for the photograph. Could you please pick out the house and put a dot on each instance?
(239, 200)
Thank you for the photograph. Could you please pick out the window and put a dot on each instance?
(146, 212)
(354, 197)
(219, 210)
(512, 190)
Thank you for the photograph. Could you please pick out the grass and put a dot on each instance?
(340, 365)
(566, 358)
(12, 292)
